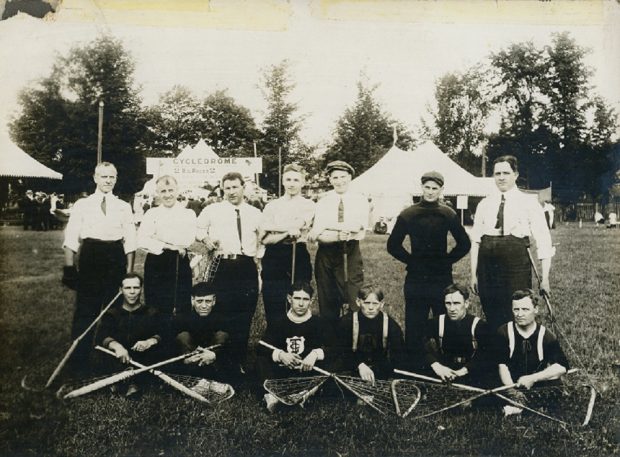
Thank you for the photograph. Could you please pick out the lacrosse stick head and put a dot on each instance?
(213, 391)
(296, 390)
(406, 395)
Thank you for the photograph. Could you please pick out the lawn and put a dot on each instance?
(35, 317)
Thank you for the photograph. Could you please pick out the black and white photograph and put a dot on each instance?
(331, 228)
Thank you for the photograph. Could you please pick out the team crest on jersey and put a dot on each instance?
(295, 344)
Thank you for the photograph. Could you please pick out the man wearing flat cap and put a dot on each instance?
(429, 265)
(340, 222)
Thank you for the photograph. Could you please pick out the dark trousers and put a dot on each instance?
(423, 292)
(277, 265)
(101, 267)
(236, 282)
(168, 283)
(333, 290)
(503, 267)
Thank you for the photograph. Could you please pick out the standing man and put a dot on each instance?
(285, 226)
(500, 263)
(28, 207)
(101, 228)
(230, 228)
(340, 223)
(429, 264)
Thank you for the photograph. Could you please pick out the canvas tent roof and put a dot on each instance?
(200, 151)
(15, 162)
(399, 172)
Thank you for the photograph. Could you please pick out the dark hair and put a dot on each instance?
(454, 288)
(511, 160)
(202, 289)
(368, 289)
(301, 285)
(167, 180)
(523, 293)
(232, 176)
(132, 275)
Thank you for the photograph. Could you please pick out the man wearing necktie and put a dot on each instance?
(340, 222)
(102, 229)
(503, 227)
(230, 229)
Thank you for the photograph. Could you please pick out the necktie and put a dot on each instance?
(103, 205)
(341, 211)
(500, 216)
(239, 229)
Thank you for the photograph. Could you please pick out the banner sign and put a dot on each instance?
(198, 171)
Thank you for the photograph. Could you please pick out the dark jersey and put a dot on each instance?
(458, 347)
(129, 327)
(524, 356)
(372, 345)
(202, 330)
(296, 338)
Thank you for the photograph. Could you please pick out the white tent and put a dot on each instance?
(396, 178)
(16, 163)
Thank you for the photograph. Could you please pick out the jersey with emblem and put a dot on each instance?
(296, 338)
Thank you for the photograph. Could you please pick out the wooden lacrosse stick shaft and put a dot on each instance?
(544, 295)
(163, 376)
(293, 254)
(101, 383)
(71, 349)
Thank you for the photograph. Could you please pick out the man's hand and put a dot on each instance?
(70, 277)
(294, 233)
(308, 362)
(473, 284)
(121, 353)
(461, 372)
(366, 373)
(344, 235)
(289, 360)
(545, 289)
(526, 381)
(204, 357)
(212, 245)
(143, 345)
(445, 373)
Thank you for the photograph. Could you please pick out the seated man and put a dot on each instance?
(201, 328)
(298, 338)
(528, 352)
(133, 329)
(458, 343)
(370, 342)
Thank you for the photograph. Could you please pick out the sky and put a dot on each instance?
(401, 46)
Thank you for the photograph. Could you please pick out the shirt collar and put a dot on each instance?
(100, 194)
(298, 319)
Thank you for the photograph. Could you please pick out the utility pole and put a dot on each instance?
(100, 133)
(279, 172)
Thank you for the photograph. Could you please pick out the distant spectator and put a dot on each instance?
(28, 206)
(613, 220)
(598, 218)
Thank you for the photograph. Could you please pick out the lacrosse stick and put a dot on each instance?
(71, 349)
(294, 253)
(294, 391)
(218, 391)
(556, 325)
(123, 375)
(378, 395)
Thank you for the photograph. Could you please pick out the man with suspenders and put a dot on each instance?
(458, 343)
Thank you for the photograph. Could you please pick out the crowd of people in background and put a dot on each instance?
(41, 211)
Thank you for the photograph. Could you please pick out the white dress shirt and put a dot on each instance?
(88, 221)
(523, 216)
(162, 226)
(356, 211)
(287, 213)
(218, 221)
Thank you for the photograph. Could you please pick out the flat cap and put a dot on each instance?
(339, 165)
(433, 176)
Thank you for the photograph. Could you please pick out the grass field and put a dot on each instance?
(35, 317)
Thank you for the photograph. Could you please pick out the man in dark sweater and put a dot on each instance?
(429, 265)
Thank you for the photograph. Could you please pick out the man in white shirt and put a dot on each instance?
(101, 228)
(340, 222)
(503, 225)
(230, 228)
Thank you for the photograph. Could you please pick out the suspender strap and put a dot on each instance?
(386, 321)
(511, 338)
(442, 326)
(539, 343)
(356, 331)
(474, 342)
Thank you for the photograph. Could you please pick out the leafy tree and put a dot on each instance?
(174, 122)
(364, 133)
(281, 125)
(227, 127)
(58, 121)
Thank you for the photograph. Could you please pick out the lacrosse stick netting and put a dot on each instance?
(296, 390)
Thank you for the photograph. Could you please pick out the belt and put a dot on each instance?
(233, 256)
(290, 242)
(96, 241)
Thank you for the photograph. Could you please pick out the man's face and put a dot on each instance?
(524, 312)
(340, 179)
(505, 177)
(370, 306)
(131, 289)
(233, 191)
(105, 178)
(293, 182)
(300, 302)
(167, 193)
(203, 305)
(431, 191)
(456, 306)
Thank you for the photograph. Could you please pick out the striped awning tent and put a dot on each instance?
(16, 163)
